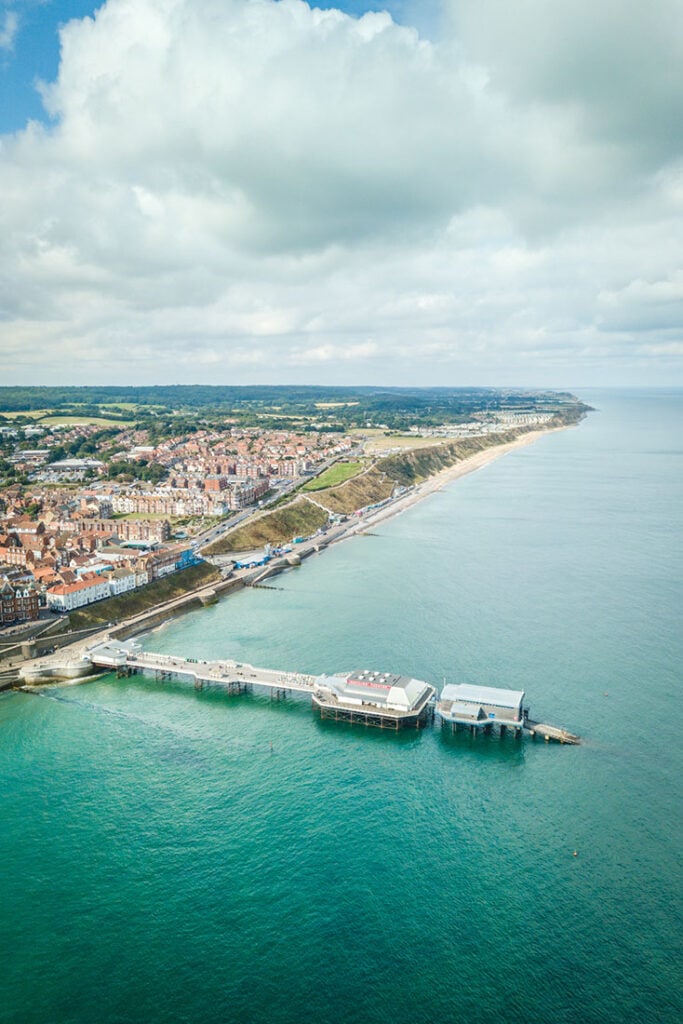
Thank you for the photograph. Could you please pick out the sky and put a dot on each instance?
(421, 192)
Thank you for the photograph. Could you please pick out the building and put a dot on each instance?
(71, 469)
(246, 493)
(33, 457)
(18, 602)
(15, 554)
(481, 707)
(156, 530)
(170, 559)
(67, 596)
(120, 581)
(374, 698)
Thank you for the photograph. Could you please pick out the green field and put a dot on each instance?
(301, 518)
(379, 441)
(334, 405)
(72, 421)
(126, 406)
(49, 417)
(32, 414)
(361, 490)
(337, 474)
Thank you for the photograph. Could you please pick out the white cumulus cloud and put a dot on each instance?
(245, 190)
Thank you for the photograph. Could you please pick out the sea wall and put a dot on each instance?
(157, 616)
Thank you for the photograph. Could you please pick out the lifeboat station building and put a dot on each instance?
(481, 707)
(374, 698)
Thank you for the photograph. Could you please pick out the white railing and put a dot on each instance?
(222, 671)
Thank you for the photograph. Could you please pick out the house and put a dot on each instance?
(120, 581)
(66, 596)
(18, 603)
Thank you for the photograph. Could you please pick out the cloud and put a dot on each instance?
(9, 26)
(272, 191)
(617, 64)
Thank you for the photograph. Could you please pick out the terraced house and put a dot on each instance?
(18, 602)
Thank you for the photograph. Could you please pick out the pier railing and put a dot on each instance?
(219, 672)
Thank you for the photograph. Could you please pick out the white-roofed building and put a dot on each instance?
(481, 707)
(373, 698)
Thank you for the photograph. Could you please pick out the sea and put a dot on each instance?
(168, 855)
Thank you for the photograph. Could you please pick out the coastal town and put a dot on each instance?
(108, 529)
(74, 532)
(341, 576)
(111, 510)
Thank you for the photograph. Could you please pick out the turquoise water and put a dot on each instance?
(161, 863)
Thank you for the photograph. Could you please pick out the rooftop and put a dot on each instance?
(383, 691)
(465, 693)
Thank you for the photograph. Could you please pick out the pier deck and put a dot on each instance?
(224, 672)
(372, 708)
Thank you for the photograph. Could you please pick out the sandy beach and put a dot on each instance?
(447, 476)
(393, 508)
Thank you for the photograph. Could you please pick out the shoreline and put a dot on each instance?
(446, 476)
(146, 621)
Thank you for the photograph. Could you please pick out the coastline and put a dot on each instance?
(153, 618)
(155, 799)
(451, 473)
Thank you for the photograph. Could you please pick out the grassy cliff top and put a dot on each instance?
(300, 519)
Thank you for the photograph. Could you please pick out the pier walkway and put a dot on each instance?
(233, 675)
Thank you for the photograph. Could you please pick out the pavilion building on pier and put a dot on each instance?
(379, 699)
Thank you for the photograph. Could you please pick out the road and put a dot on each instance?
(206, 537)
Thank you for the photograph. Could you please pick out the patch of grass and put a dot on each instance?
(144, 598)
(275, 413)
(72, 421)
(30, 414)
(364, 489)
(386, 442)
(337, 474)
(300, 519)
(127, 406)
(414, 466)
(63, 486)
(334, 405)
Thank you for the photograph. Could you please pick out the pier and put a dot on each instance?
(379, 699)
